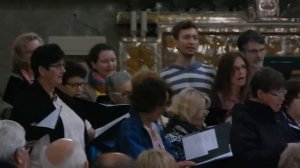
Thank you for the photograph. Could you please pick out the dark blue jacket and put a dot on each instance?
(289, 126)
(133, 138)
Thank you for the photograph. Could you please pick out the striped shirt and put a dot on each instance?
(198, 75)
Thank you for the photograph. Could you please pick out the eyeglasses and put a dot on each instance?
(76, 85)
(58, 66)
(205, 112)
(120, 93)
(278, 93)
(28, 146)
(255, 51)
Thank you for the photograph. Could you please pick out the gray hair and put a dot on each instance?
(116, 79)
(12, 138)
(76, 159)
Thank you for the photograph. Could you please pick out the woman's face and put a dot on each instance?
(106, 63)
(294, 108)
(121, 93)
(239, 74)
(54, 74)
(74, 86)
(198, 119)
(273, 98)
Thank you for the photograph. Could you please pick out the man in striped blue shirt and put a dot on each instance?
(186, 71)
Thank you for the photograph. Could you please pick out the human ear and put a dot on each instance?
(18, 156)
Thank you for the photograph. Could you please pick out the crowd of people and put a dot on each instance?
(49, 127)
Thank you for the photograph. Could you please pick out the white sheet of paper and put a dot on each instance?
(199, 144)
(101, 130)
(210, 139)
(51, 120)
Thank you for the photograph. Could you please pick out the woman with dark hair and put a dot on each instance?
(256, 138)
(46, 113)
(102, 61)
(289, 117)
(230, 87)
(148, 100)
(139, 132)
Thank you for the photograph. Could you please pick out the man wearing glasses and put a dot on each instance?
(252, 44)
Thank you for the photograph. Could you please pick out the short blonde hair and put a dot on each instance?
(187, 103)
(155, 158)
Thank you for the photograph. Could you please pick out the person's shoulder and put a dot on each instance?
(239, 111)
(170, 69)
(203, 65)
(130, 123)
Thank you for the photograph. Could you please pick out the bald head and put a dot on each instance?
(63, 153)
(113, 160)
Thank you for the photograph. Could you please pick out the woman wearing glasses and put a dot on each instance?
(256, 137)
(45, 113)
(230, 87)
(188, 111)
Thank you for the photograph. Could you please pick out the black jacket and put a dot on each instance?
(33, 105)
(15, 85)
(256, 138)
(289, 126)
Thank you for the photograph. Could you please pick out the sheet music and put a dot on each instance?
(101, 130)
(199, 144)
(51, 120)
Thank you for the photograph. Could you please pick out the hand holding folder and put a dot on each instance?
(208, 145)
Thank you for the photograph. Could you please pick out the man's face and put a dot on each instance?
(188, 42)
(255, 53)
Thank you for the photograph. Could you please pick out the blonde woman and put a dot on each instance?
(21, 76)
(156, 158)
(188, 111)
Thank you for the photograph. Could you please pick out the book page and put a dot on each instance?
(51, 120)
(101, 130)
(199, 144)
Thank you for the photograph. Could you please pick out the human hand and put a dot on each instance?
(185, 164)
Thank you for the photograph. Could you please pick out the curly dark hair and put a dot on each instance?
(73, 69)
(149, 91)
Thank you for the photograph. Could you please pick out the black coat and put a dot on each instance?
(289, 126)
(256, 138)
(15, 85)
(216, 113)
(33, 105)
